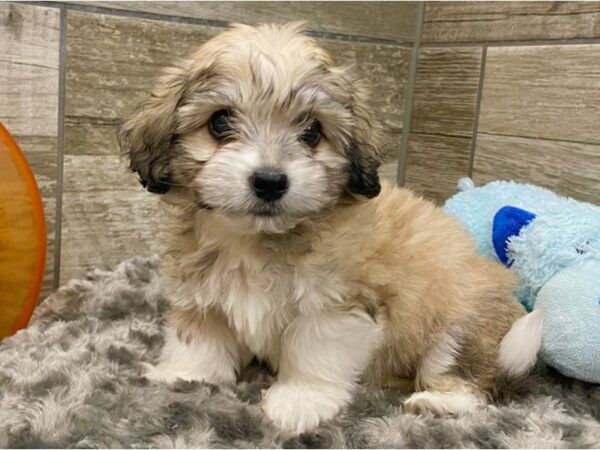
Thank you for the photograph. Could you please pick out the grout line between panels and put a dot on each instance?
(477, 110)
(62, 57)
(409, 91)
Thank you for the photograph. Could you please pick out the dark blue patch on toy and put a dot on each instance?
(508, 222)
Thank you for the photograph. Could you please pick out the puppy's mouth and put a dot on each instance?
(263, 210)
(267, 210)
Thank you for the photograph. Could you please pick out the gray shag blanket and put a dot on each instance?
(72, 379)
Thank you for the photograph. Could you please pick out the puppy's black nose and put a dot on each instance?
(269, 185)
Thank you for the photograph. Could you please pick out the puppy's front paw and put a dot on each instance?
(298, 407)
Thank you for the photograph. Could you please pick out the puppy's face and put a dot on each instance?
(259, 127)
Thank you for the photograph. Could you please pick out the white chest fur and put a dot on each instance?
(256, 290)
(259, 302)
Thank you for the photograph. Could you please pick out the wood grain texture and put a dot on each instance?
(434, 164)
(384, 20)
(550, 92)
(29, 59)
(510, 21)
(445, 92)
(107, 216)
(569, 168)
(385, 67)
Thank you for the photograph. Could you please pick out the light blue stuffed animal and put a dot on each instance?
(553, 244)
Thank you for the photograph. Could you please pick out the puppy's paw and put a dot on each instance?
(298, 407)
(442, 403)
(169, 374)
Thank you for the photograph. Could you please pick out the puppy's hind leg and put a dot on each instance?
(440, 392)
(460, 377)
(198, 346)
(452, 397)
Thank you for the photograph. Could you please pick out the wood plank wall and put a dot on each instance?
(484, 89)
(507, 90)
(72, 71)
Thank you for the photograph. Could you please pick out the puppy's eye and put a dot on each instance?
(219, 125)
(311, 135)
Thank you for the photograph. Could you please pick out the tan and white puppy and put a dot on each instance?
(280, 243)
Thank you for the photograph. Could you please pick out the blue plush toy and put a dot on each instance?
(553, 244)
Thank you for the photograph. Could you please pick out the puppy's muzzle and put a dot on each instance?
(269, 185)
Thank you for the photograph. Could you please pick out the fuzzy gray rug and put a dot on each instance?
(72, 379)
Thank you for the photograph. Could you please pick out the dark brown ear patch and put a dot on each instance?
(145, 163)
(156, 186)
(146, 137)
(363, 176)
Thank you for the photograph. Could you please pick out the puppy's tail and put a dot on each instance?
(521, 345)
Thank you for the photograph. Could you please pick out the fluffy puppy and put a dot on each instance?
(279, 242)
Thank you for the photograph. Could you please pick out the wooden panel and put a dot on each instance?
(29, 58)
(552, 92)
(393, 20)
(509, 21)
(107, 216)
(566, 167)
(446, 91)
(434, 164)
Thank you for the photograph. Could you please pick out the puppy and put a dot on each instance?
(279, 241)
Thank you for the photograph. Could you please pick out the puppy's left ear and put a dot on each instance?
(363, 176)
(146, 138)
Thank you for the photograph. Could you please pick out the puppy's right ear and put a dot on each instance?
(146, 137)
